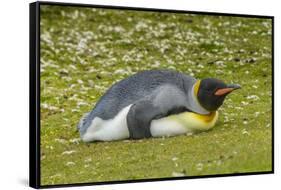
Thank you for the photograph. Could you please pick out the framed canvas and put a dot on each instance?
(122, 94)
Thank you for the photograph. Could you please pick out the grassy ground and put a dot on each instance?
(84, 51)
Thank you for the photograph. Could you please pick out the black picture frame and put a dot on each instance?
(34, 93)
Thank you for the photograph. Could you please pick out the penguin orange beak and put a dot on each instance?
(227, 90)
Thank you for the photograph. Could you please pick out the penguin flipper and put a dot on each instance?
(164, 101)
(139, 118)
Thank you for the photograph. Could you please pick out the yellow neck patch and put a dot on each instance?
(192, 120)
(206, 118)
(196, 87)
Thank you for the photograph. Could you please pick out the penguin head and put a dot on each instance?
(211, 92)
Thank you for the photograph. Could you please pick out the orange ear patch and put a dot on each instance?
(223, 91)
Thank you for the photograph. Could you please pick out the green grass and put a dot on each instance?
(84, 51)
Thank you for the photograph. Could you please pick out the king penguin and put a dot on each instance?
(155, 103)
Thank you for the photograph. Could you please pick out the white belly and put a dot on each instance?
(182, 123)
(117, 128)
(108, 130)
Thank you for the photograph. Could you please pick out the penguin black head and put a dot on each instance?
(211, 92)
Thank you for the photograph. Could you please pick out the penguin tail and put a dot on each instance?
(82, 121)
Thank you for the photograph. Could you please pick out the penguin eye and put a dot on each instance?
(210, 88)
(208, 91)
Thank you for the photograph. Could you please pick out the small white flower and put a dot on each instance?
(245, 132)
(199, 166)
(75, 140)
(73, 67)
(245, 122)
(268, 125)
(62, 141)
(86, 165)
(74, 110)
(253, 97)
(257, 114)
(178, 174)
(70, 164)
(80, 81)
(81, 103)
(49, 147)
(88, 160)
(244, 103)
(68, 152)
(120, 71)
(238, 108)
